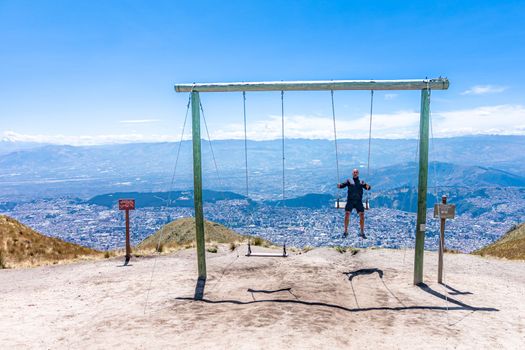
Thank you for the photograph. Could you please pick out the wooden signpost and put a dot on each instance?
(444, 211)
(127, 205)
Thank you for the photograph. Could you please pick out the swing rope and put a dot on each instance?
(211, 147)
(338, 192)
(250, 253)
(370, 132)
(245, 141)
(433, 149)
(282, 136)
(369, 145)
(168, 201)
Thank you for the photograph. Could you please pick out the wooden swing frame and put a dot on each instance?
(425, 85)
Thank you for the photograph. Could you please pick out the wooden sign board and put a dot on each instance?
(444, 211)
(126, 204)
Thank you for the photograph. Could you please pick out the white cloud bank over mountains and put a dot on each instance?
(501, 119)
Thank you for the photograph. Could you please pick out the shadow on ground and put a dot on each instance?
(457, 305)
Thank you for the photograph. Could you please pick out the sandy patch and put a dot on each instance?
(321, 299)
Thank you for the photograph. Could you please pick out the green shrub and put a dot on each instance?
(160, 248)
(354, 251)
(340, 249)
(212, 249)
(106, 254)
(257, 241)
(351, 250)
(233, 246)
(307, 249)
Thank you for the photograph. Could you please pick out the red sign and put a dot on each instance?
(126, 204)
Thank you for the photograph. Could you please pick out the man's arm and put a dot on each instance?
(343, 184)
(366, 186)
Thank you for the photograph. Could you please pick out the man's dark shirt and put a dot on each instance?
(355, 189)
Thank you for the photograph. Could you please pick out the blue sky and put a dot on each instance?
(87, 72)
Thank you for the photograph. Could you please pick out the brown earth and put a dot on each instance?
(322, 299)
(21, 246)
(509, 246)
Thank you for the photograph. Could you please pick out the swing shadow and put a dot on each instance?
(459, 306)
(454, 291)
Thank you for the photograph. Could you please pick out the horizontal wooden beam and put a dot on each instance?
(321, 85)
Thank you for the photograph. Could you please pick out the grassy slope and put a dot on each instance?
(22, 246)
(181, 233)
(510, 246)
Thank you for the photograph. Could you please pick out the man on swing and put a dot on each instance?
(355, 200)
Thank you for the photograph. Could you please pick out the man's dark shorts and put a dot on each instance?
(355, 204)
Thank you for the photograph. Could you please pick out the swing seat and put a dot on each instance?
(342, 204)
(266, 255)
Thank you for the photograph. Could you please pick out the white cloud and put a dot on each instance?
(390, 97)
(500, 119)
(484, 89)
(139, 121)
(487, 120)
(401, 124)
(85, 140)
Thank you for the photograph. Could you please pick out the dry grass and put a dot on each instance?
(343, 250)
(212, 249)
(510, 246)
(180, 234)
(2, 260)
(23, 247)
(307, 249)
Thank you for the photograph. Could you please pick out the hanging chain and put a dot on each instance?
(245, 141)
(178, 150)
(211, 147)
(282, 134)
(336, 151)
(370, 132)
(168, 202)
(335, 138)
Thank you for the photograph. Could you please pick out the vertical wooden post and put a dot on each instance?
(441, 244)
(422, 186)
(128, 244)
(197, 184)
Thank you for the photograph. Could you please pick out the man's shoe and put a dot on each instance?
(362, 234)
(345, 234)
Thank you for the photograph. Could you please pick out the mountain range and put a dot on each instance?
(31, 170)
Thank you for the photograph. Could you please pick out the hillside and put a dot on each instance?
(509, 246)
(22, 246)
(181, 233)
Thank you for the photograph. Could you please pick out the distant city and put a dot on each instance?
(103, 228)
(71, 192)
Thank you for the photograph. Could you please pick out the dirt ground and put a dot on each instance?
(321, 299)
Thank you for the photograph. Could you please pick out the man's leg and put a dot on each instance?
(362, 223)
(347, 220)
